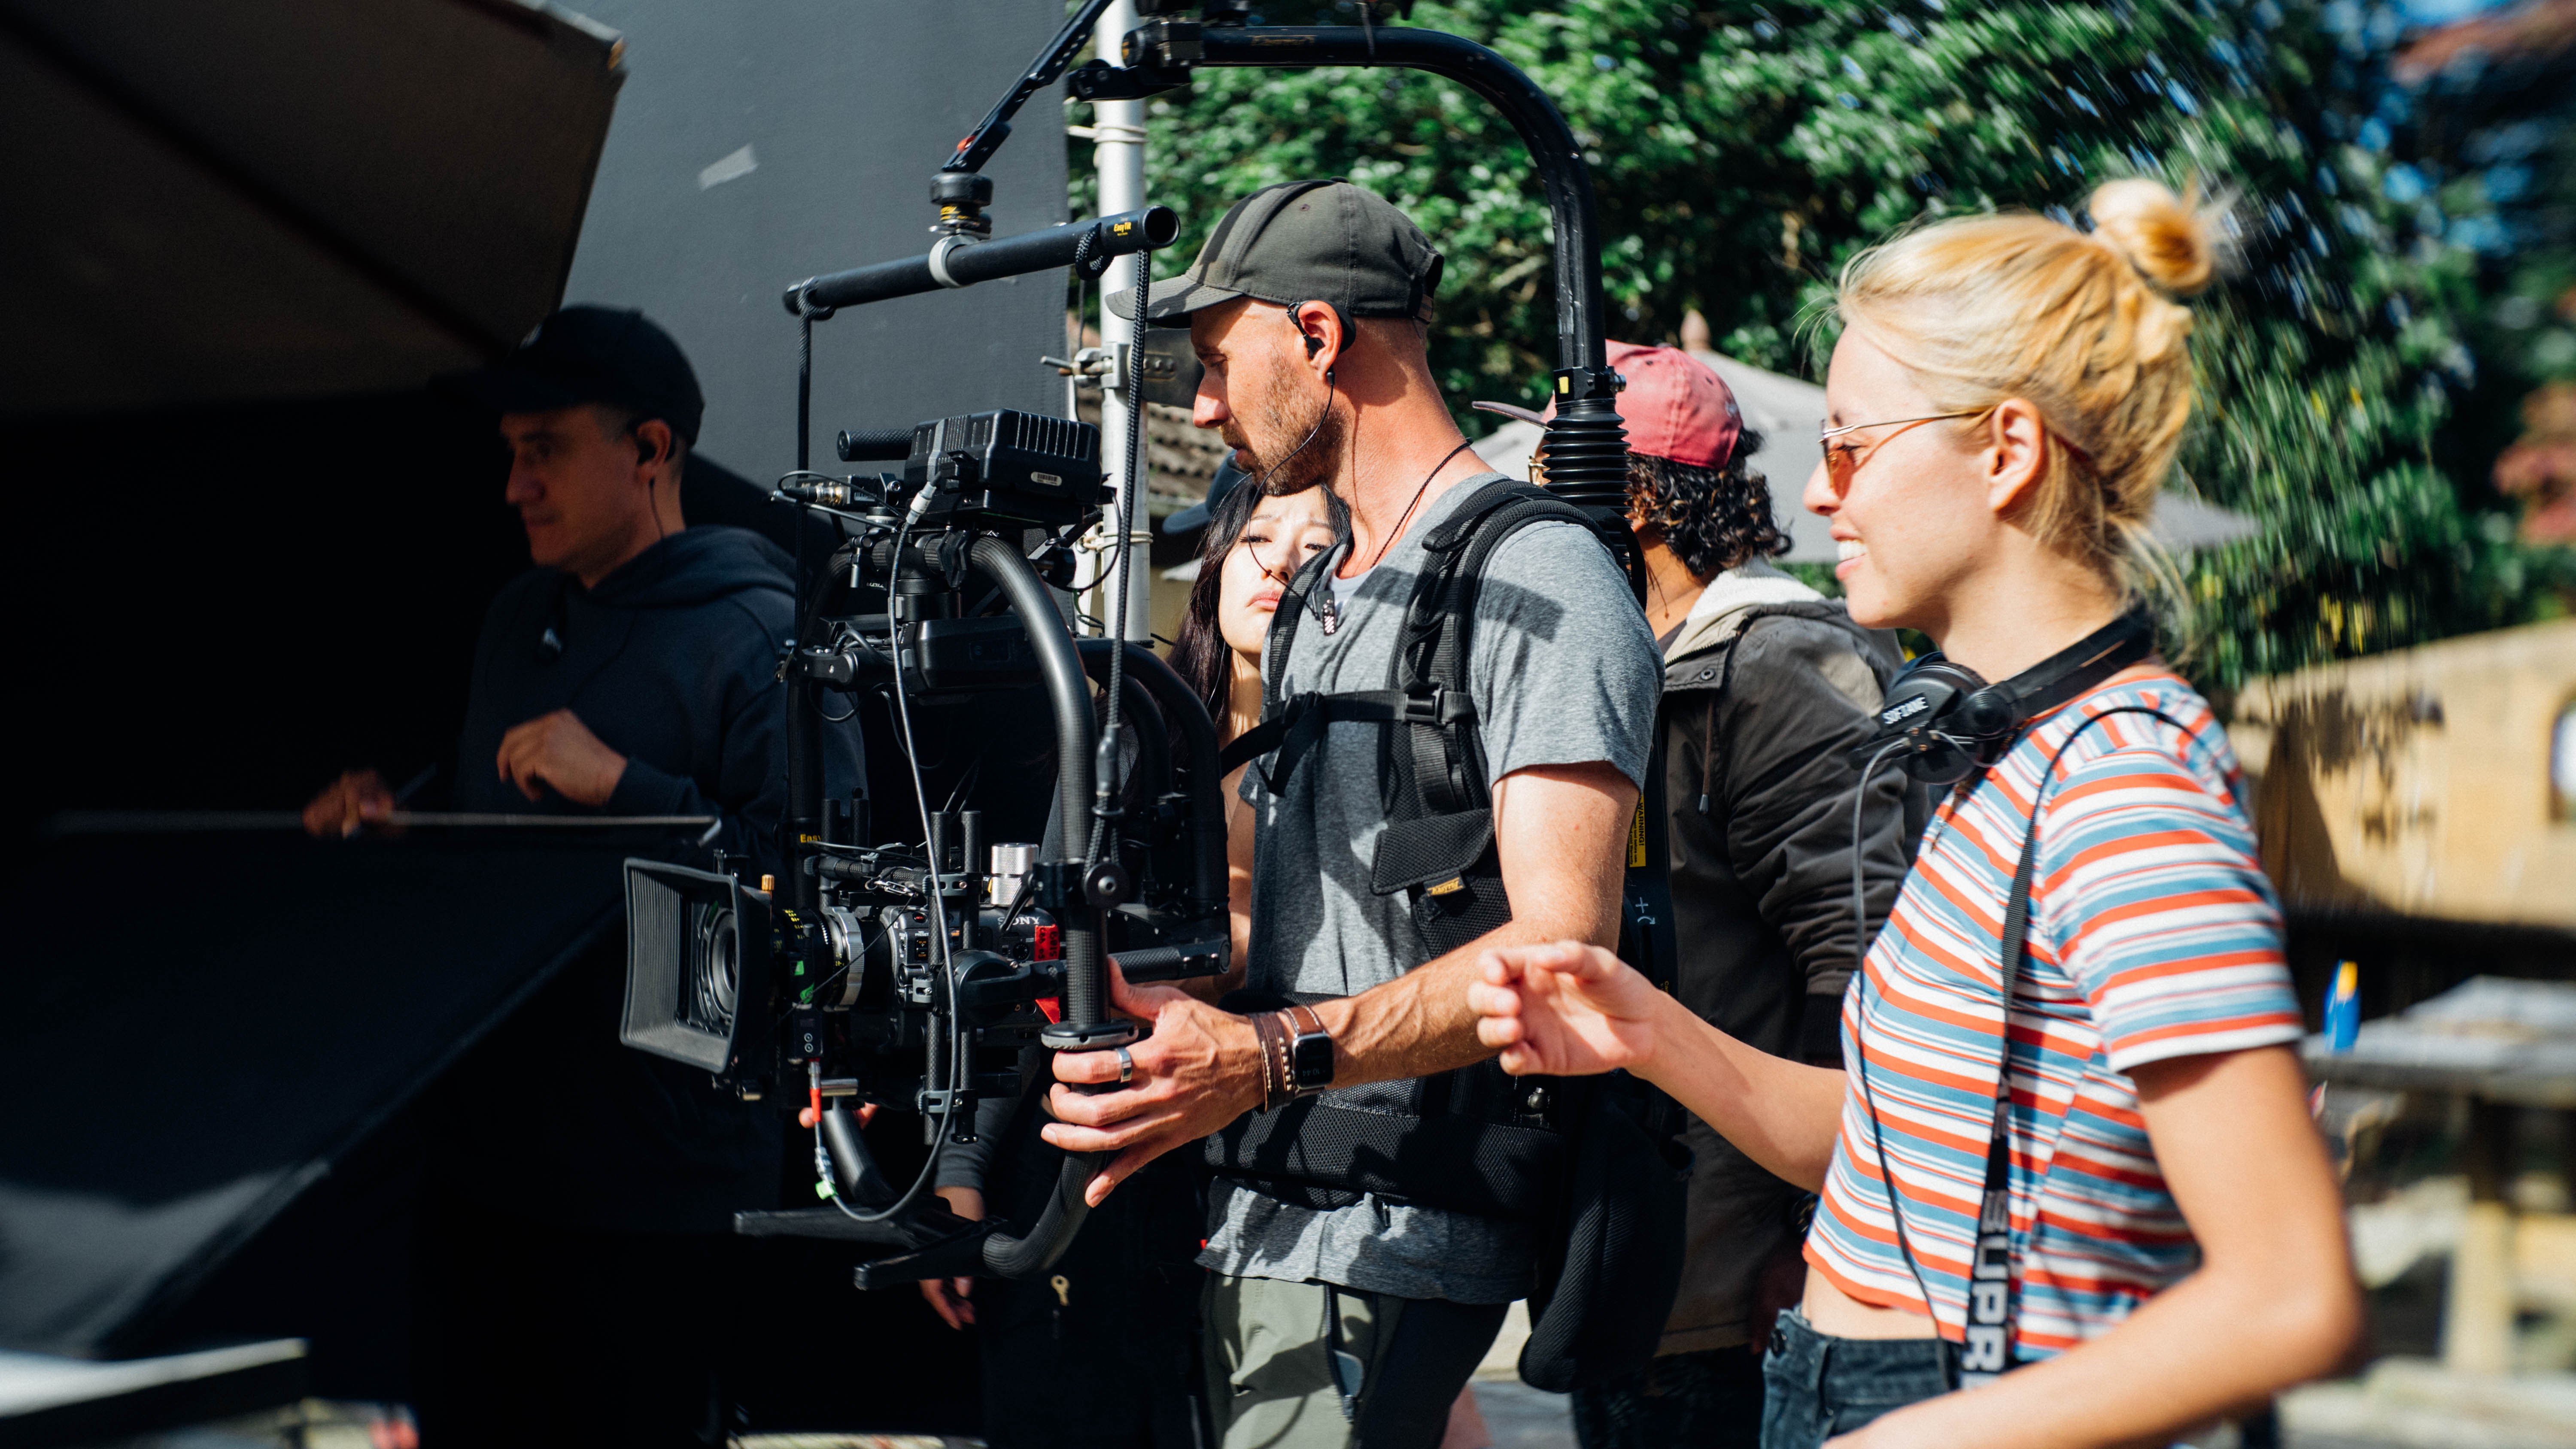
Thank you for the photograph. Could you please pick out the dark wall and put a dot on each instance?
(845, 107)
(223, 607)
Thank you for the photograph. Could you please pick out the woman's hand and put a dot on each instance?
(953, 1299)
(1565, 1010)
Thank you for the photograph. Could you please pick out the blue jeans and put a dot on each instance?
(1815, 1387)
(1706, 1400)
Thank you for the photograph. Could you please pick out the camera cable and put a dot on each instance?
(1860, 1059)
(955, 1054)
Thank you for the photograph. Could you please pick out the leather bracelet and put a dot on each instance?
(1282, 1038)
(1263, 1029)
(1287, 1055)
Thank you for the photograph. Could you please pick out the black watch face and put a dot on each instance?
(1312, 1056)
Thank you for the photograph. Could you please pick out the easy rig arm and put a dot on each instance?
(1587, 449)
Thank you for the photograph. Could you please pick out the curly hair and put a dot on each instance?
(1713, 519)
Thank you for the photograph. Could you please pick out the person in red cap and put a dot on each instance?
(1766, 684)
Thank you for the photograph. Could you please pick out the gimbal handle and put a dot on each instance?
(962, 261)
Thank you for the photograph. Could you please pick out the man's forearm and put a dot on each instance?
(1560, 837)
(1420, 1024)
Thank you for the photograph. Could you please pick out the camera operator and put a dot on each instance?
(1767, 686)
(1333, 1325)
(575, 1230)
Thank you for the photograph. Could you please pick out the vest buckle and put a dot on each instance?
(1438, 706)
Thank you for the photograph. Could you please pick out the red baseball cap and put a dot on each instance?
(1674, 406)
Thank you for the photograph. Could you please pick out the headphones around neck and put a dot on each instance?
(1947, 722)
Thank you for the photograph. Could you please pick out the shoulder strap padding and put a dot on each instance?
(1431, 662)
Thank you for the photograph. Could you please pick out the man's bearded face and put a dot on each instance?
(1267, 439)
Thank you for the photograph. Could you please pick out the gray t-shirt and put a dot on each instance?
(1562, 671)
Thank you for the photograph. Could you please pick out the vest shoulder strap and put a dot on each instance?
(1431, 662)
(1428, 688)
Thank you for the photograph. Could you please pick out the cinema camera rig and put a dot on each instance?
(917, 976)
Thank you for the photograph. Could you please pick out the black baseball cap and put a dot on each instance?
(1304, 241)
(586, 354)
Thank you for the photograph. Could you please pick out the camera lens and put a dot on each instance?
(715, 971)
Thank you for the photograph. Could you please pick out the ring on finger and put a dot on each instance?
(1126, 1067)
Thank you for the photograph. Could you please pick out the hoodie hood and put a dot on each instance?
(697, 566)
(1732, 596)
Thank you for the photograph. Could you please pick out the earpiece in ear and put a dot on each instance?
(1314, 344)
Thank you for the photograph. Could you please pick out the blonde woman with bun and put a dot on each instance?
(2165, 1242)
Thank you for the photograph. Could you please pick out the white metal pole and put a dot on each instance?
(1118, 149)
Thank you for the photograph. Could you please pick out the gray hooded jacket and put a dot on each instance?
(1767, 684)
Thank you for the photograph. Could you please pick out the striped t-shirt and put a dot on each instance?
(2153, 935)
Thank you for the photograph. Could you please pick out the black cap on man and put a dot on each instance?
(1304, 241)
(591, 354)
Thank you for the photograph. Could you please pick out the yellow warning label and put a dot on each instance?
(1637, 838)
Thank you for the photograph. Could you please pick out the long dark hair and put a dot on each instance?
(1713, 519)
(1200, 655)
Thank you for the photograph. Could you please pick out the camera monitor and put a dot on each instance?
(1006, 465)
(697, 945)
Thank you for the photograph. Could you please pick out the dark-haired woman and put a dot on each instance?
(1255, 544)
(1766, 684)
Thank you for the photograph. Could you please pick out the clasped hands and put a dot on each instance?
(554, 749)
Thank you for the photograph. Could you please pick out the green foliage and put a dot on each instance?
(1742, 152)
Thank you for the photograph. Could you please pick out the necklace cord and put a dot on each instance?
(1389, 542)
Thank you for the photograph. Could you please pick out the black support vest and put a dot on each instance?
(1475, 1140)
(1595, 1163)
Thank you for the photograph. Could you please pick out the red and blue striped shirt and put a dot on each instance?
(2153, 934)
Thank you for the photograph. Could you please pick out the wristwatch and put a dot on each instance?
(1310, 1050)
(1296, 1055)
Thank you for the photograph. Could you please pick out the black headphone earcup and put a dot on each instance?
(1917, 717)
(1986, 722)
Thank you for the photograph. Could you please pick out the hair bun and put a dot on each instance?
(2170, 243)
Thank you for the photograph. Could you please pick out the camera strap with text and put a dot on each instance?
(1988, 1351)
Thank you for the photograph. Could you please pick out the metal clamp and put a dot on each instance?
(941, 250)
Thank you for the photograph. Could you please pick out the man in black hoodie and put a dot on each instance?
(574, 1256)
(632, 671)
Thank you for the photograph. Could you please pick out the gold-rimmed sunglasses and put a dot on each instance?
(1842, 462)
